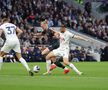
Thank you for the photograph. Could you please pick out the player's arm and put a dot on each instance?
(80, 38)
(1, 31)
(56, 33)
(18, 31)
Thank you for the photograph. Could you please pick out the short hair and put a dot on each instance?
(63, 24)
(45, 21)
(5, 19)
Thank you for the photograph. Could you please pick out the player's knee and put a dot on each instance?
(45, 51)
(66, 62)
(18, 56)
(47, 57)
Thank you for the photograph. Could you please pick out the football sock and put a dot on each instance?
(59, 64)
(48, 65)
(65, 68)
(24, 63)
(1, 62)
(74, 68)
(11, 60)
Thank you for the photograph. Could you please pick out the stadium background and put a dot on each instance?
(79, 15)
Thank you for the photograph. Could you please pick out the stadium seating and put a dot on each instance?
(27, 14)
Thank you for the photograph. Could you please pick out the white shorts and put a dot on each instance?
(61, 52)
(11, 46)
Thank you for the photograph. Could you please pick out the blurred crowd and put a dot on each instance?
(27, 14)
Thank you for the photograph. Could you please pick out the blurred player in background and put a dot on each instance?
(63, 50)
(53, 43)
(12, 33)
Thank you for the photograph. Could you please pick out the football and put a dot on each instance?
(36, 68)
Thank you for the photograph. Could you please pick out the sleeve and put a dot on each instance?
(1, 27)
(15, 27)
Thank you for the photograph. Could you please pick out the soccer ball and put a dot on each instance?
(36, 69)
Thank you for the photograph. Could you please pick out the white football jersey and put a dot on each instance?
(65, 39)
(9, 30)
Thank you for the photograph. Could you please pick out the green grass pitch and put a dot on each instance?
(14, 77)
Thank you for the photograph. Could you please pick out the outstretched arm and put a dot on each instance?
(80, 38)
(56, 33)
(53, 30)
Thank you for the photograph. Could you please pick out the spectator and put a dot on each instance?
(88, 7)
(27, 14)
(37, 54)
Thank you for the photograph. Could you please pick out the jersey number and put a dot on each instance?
(10, 30)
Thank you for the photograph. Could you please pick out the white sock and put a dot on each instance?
(11, 61)
(14, 60)
(1, 62)
(48, 65)
(74, 68)
(65, 68)
(24, 64)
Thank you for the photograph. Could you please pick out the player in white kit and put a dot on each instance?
(12, 33)
(63, 50)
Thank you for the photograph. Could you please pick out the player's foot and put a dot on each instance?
(80, 73)
(53, 66)
(66, 71)
(47, 73)
(31, 73)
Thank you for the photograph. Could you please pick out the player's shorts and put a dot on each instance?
(11, 46)
(53, 46)
(61, 52)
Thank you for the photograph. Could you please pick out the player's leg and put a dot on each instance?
(24, 63)
(1, 58)
(11, 60)
(14, 60)
(49, 57)
(46, 51)
(48, 62)
(4, 50)
(53, 66)
(53, 54)
(66, 62)
(57, 62)
(50, 65)
(21, 59)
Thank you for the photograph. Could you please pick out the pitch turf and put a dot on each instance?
(14, 77)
